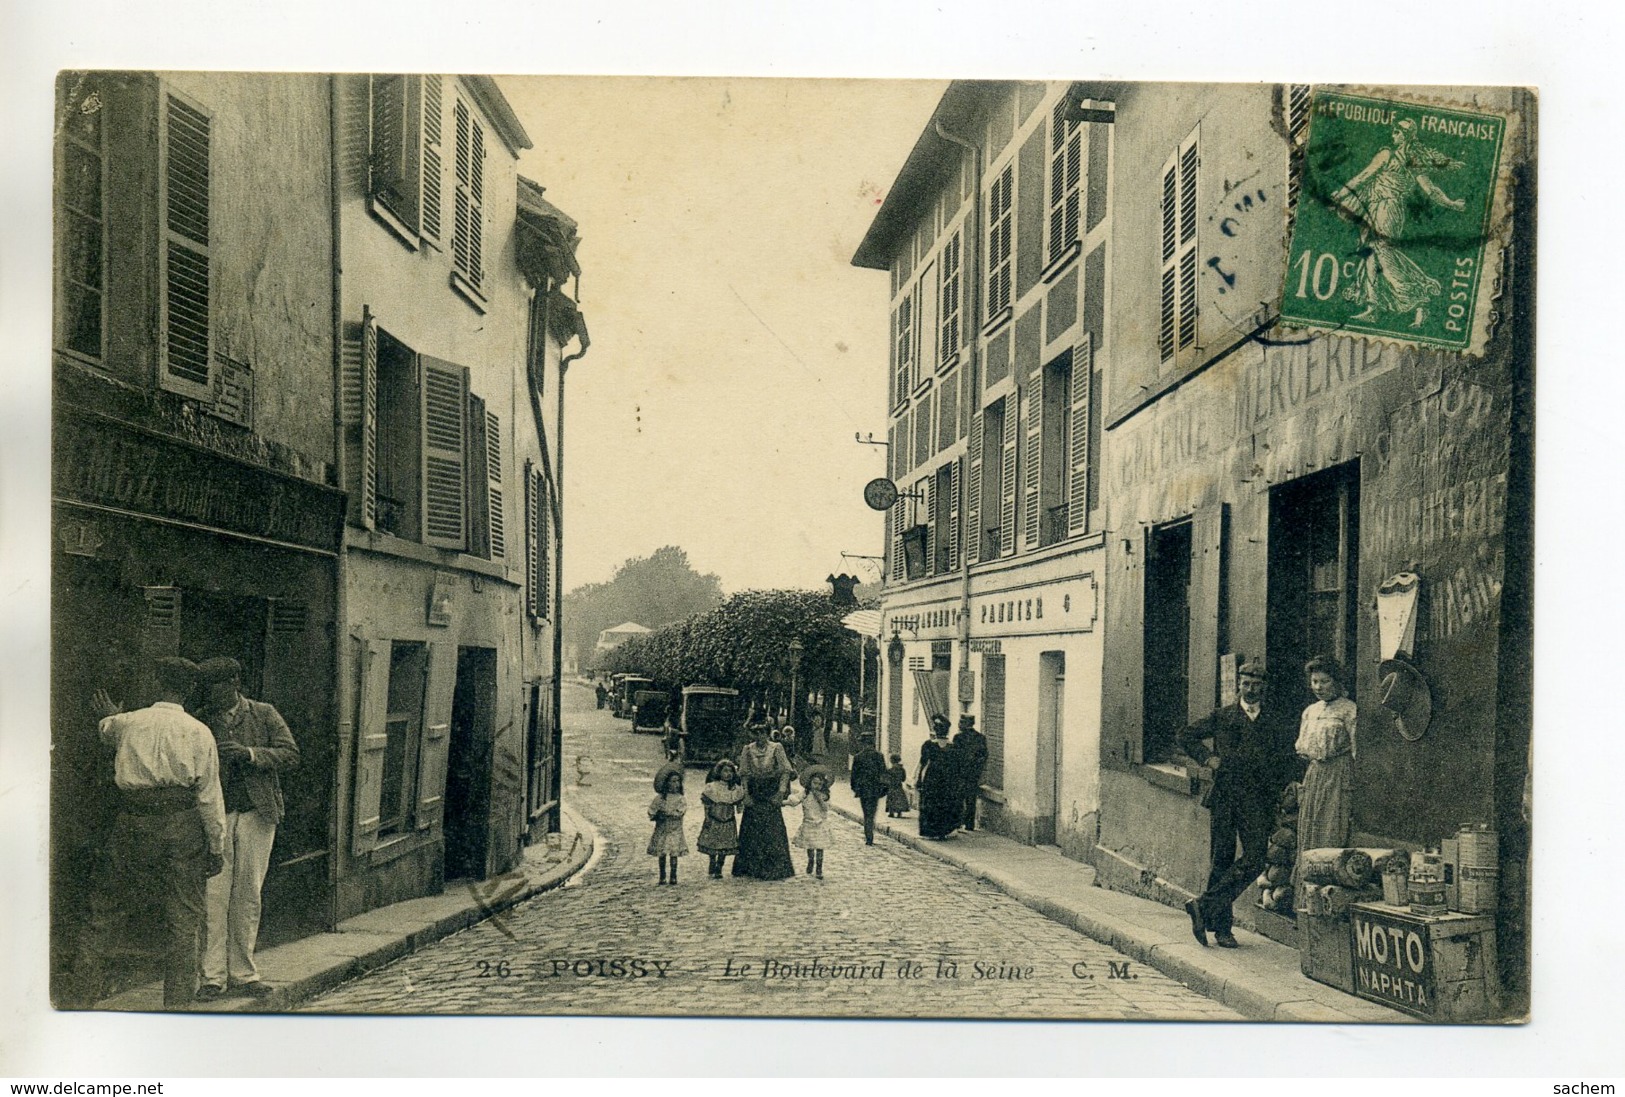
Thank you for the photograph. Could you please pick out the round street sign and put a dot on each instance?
(880, 493)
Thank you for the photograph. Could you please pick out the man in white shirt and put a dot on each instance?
(169, 834)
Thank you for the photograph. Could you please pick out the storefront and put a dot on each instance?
(163, 547)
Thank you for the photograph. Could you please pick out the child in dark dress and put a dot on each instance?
(897, 804)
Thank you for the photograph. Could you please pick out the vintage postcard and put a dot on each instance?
(987, 549)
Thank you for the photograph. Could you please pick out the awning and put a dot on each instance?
(864, 622)
(546, 240)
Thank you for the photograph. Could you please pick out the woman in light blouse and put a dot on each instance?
(764, 844)
(1326, 739)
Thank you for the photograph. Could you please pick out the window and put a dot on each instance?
(1001, 224)
(1177, 327)
(903, 348)
(403, 730)
(929, 315)
(538, 544)
(945, 519)
(1056, 425)
(949, 329)
(1065, 183)
(1313, 572)
(468, 226)
(186, 301)
(405, 153)
(996, 473)
(419, 448)
(81, 223)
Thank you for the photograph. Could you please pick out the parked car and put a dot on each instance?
(649, 709)
(625, 689)
(710, 726)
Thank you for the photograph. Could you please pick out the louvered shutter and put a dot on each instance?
(1066, 175)
(948, 411)
(922, 429)
(444, 389)
(1033, 398)
(544, 546)
(283, 677)
(1170, 246)
(161, 631)
(493, 470)
(927, 488)
(950, 297)
(973, 486)
(1007, 481)
(898, 519)
(368, 482)
(479, 482)
(433, 156)
(1207, 577)
(953, 513)
(188, 298)
(1077, 484)
(389, 148)
(532, 505)
(433, 754)
(476, 187)
(891, 452)
(1188, 161)
(468, 225)
(371, 740)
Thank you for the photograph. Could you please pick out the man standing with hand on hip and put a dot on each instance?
(1249, 761)
(255, 746)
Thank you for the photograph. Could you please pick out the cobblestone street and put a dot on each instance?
(912, 936)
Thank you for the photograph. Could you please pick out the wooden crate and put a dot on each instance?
(1325, 949)
(1438, 967)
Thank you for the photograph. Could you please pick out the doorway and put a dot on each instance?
(214, 624)
(1167, 638)
(468, 764)
(1051, 718)
(1314, 571)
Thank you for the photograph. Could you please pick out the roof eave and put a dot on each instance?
(497, 109)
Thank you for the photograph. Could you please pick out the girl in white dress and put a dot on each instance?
(814, 833)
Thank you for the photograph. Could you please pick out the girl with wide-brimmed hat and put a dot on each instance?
(667, 808)
(814, 833)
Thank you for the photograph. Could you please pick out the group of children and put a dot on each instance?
(719, 835)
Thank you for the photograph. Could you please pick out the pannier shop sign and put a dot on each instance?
(1030, 610)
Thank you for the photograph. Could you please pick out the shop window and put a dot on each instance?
(1166, 682)
(403, 729)
(405, 154)
(81, 217)
(1177, 321)
(468, 225)
(1313, 571)
(993, 719)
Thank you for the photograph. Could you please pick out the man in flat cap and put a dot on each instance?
(168, 836)
(1247, 749)
(972, 747)
(255, 746)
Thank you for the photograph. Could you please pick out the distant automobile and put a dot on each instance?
(649, 709)
(708, 728)
(626, 687)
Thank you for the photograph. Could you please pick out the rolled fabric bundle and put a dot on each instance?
(1289, 798)
(1387, 860)
(1350, 868)
(1280, 899)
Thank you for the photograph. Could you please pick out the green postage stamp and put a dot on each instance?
(1399, 222)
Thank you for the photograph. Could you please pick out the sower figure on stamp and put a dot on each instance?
(255, 746)
(1250, 759)
(167, 839)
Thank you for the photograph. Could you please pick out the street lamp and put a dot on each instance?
(796, 648)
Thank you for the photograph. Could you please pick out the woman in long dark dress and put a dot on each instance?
(941, 798)
(764, 844)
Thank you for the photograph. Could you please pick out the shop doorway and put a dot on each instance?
(215, 624)
(1314, 568)
(1167, 638)
(1051, 717)
(468, 764)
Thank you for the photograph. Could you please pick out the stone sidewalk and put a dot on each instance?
(1261, 980)
(311, 965)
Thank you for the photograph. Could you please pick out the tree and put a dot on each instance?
(651, 590)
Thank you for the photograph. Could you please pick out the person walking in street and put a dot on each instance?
(1326, 739)
(972, 747)
(764, 844)
(169, 836)
(942, 801)
(1249, 761)
(666, 809)
(814, 833)
(897, 805)
(600, 694)
(868, 782)
(255, 746)
(719, 837)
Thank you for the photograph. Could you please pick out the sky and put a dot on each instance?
(735, 349)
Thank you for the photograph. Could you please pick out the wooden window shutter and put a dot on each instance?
(897, 521)
(948, 411)
(1065, 177)
(493, 470)
(949, 298)
(187, 299)
(1207, 581)
(372, 738)
(463, 225)
(927, 488)
(923, 417)
(433, 156)
(532, 517)
(479, 481)
(1077, 484)
(1033, 398)
(953, 514)
(476, 190)
(891, 452)
(444, 389)
(544, 546)
(286, 622)
(1188, 162)
(368, 482)
(389, 151)
(973, 490)
(161, 632)
(1008, 487)
(433, 754)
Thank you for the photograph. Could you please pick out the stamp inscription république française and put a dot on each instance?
(1399, 223)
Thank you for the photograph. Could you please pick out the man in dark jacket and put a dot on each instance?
(868, 782)
(255, 746)
(972, 747)
(1249, 759)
